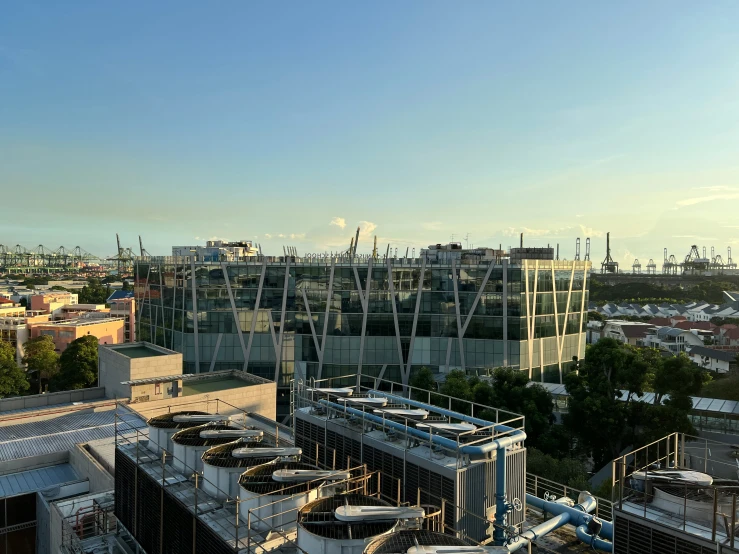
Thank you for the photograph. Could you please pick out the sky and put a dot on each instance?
(292, 123)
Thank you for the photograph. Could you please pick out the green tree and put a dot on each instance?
(94, 292)
(568, 471)
(423, 379)
(78, 365)
(12, 378)
(680, 378)
(597, 415)
(457, 386)
(41, 360)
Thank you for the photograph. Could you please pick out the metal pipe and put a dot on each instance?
(539, 531)
(578, 514)
(599, 544)
(469, 419)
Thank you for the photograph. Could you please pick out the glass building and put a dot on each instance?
(282, 318)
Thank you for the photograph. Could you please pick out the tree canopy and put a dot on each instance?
(41, 360)
(12, 378)
(78, 365)
(604, 422)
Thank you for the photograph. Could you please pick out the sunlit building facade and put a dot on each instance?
(289, 317)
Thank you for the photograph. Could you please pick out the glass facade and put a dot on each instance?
(283, 319)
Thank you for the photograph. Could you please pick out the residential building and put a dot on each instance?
(628, 332)
(15, 324)
(671, 339)
(125, 307)
(76, 311)
(52, 302)
(717, 359)
(107, 331)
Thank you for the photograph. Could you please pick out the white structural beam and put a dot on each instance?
(255, 314)
(195, 313)
(405, 375)
(327, 313)
(457, 307)
(282, 317)
(235, 313)
(391, 286)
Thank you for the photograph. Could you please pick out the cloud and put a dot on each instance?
(431, 225)
(529, 232)
(267, 236)
(709, 198)
(281, 236)
(366, 228)
(297, 236)
(339, 222)
(714, 188)
(590, 232)
(578, 216)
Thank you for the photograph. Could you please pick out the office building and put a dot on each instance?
(314, 318)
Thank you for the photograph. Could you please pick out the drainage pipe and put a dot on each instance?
(595, 542)
(502, 506)
(579, 514)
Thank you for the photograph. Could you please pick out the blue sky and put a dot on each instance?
(415, 120)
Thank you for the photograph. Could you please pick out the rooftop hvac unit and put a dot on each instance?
(274, 491)
(224, 464)
(190, 444)
(162, 427)
(322, 531)
(403, 542)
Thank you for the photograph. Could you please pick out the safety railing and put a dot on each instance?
(551, 490)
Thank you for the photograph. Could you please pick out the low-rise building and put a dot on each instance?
(108, 331)
(125, 307)
(52, 302)
(717, 359)
(15, 323)
(671, 339)
(628, 332)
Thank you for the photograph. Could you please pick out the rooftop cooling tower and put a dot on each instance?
(190, 444)
(322, 531)
(162, 427)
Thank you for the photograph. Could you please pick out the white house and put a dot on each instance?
(718, 360)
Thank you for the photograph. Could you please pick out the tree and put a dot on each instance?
(568, 471)
(41, 359)
(12, 378)
(423, 379)
(94, 292)
(680, 378)
(78, 365)
(457, 386)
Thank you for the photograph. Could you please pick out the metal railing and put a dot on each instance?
(705, 510)
(551, 490)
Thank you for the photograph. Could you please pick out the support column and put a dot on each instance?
(505, 312)
(582, 307)
(282, 317)
(391, 286)
(255, 313)
(326, 316)
(457, 307)
(231, 299)
(364, 298)
(406, 374)
(195, 314)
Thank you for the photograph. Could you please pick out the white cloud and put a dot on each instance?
(512, 232)
(578, 216)
(267, 236)
(714, 188)
(339, 222)
(297, 236)
(366, 228)
(281, 236)
(590, 232)
(710, 198)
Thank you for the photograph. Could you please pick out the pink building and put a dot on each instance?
(53, 302)
(107, 330)
(125, 308)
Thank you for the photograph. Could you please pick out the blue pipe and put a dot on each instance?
(579, 514)
(539, 531)
(502, 506)
(469, 419)
(595, 542)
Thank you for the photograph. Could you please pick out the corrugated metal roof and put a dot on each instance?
(713, 405)
(36, 479)
(61, 433)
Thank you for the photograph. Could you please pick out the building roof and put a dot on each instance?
(702, 325)
(36, 479)
(660, 321)
(120, 294)
(20, 438)
(635, 331)
(716, 354)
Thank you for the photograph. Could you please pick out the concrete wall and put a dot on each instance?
(260, 399)
(88, 467)
(51, 399)
(33, 462)
(116, 367)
